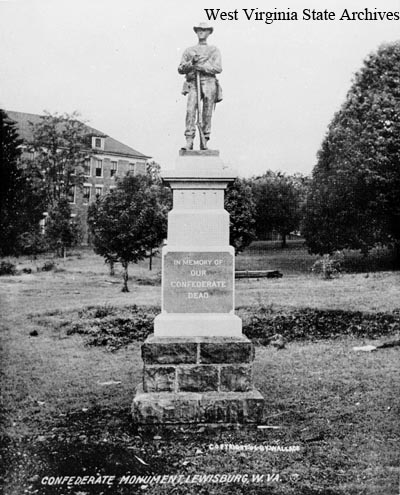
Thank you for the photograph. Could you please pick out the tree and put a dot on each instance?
(278, 200)
(354, 195)
(239, 203)
(21, 199)
(61, 231)
(61, 147)
(128, 222)
(153, 170)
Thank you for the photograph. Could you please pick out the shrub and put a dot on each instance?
(113, 327)
(148, 280)
(378, 258)
(7, 268)
(47, 267)
(328, 266)
(122, 326)
(261, 323)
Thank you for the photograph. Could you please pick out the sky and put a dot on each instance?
(115, 62)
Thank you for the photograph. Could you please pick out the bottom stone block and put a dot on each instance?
(191, 407)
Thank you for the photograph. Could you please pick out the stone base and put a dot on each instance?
(197, 325)
(192, 407)
(197, 380)
(197, 166)
(185, 152)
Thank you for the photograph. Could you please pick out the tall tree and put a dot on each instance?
(21, 198)
(61, 146)
(278, 199)
(355, 190)
(240, 205)
(129, 222)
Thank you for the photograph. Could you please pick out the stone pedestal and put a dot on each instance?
(198, 364)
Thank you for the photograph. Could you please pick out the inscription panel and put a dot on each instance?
(198, 282)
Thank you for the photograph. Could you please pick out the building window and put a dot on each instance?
(86, 168)
(71, 194)
(99, 191)
(87, 188)
(99, 167)
(98, 143)
(140, 168)
(137, 168)
(114, 168)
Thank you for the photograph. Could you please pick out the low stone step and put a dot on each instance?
(192, 407)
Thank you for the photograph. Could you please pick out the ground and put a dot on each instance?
(66, 405)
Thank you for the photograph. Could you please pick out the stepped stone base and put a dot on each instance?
(198, 379)
(196, 407)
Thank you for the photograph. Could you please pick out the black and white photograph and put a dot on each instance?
(200, 247)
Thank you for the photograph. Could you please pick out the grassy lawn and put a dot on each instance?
(66, 406)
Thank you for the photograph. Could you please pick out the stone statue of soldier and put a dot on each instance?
(200, 64)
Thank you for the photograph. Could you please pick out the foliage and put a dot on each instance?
(261, 323)
(278, 199)
(61, 231)
(129, 222)
(21, 201)
(239, 203)
(113, 327)
(328, 266)
(354, 196)
(378, 258)
(32, 242)
(153, 170)
(116, 327)
(61, 147)
(7, 268)
(48, 266)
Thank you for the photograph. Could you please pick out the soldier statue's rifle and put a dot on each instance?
(199, 123)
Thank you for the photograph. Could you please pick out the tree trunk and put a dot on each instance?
(151, 260)
(283, 243)
(112, 270)
(125, 276)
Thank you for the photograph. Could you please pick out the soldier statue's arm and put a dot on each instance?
(211, 64)
(186, 64)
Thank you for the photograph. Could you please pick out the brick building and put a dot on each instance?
(109, 159)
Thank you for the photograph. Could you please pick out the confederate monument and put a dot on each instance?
(198, 364)
(200, 64)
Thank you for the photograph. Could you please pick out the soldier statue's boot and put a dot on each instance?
(189, 143)
(203, 146)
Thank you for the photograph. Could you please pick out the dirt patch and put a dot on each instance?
(102, 442)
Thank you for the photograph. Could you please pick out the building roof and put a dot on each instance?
(111, 146)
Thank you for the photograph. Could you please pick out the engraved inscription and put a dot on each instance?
(198, 282)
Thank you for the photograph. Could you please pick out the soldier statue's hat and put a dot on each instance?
(203, 25)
